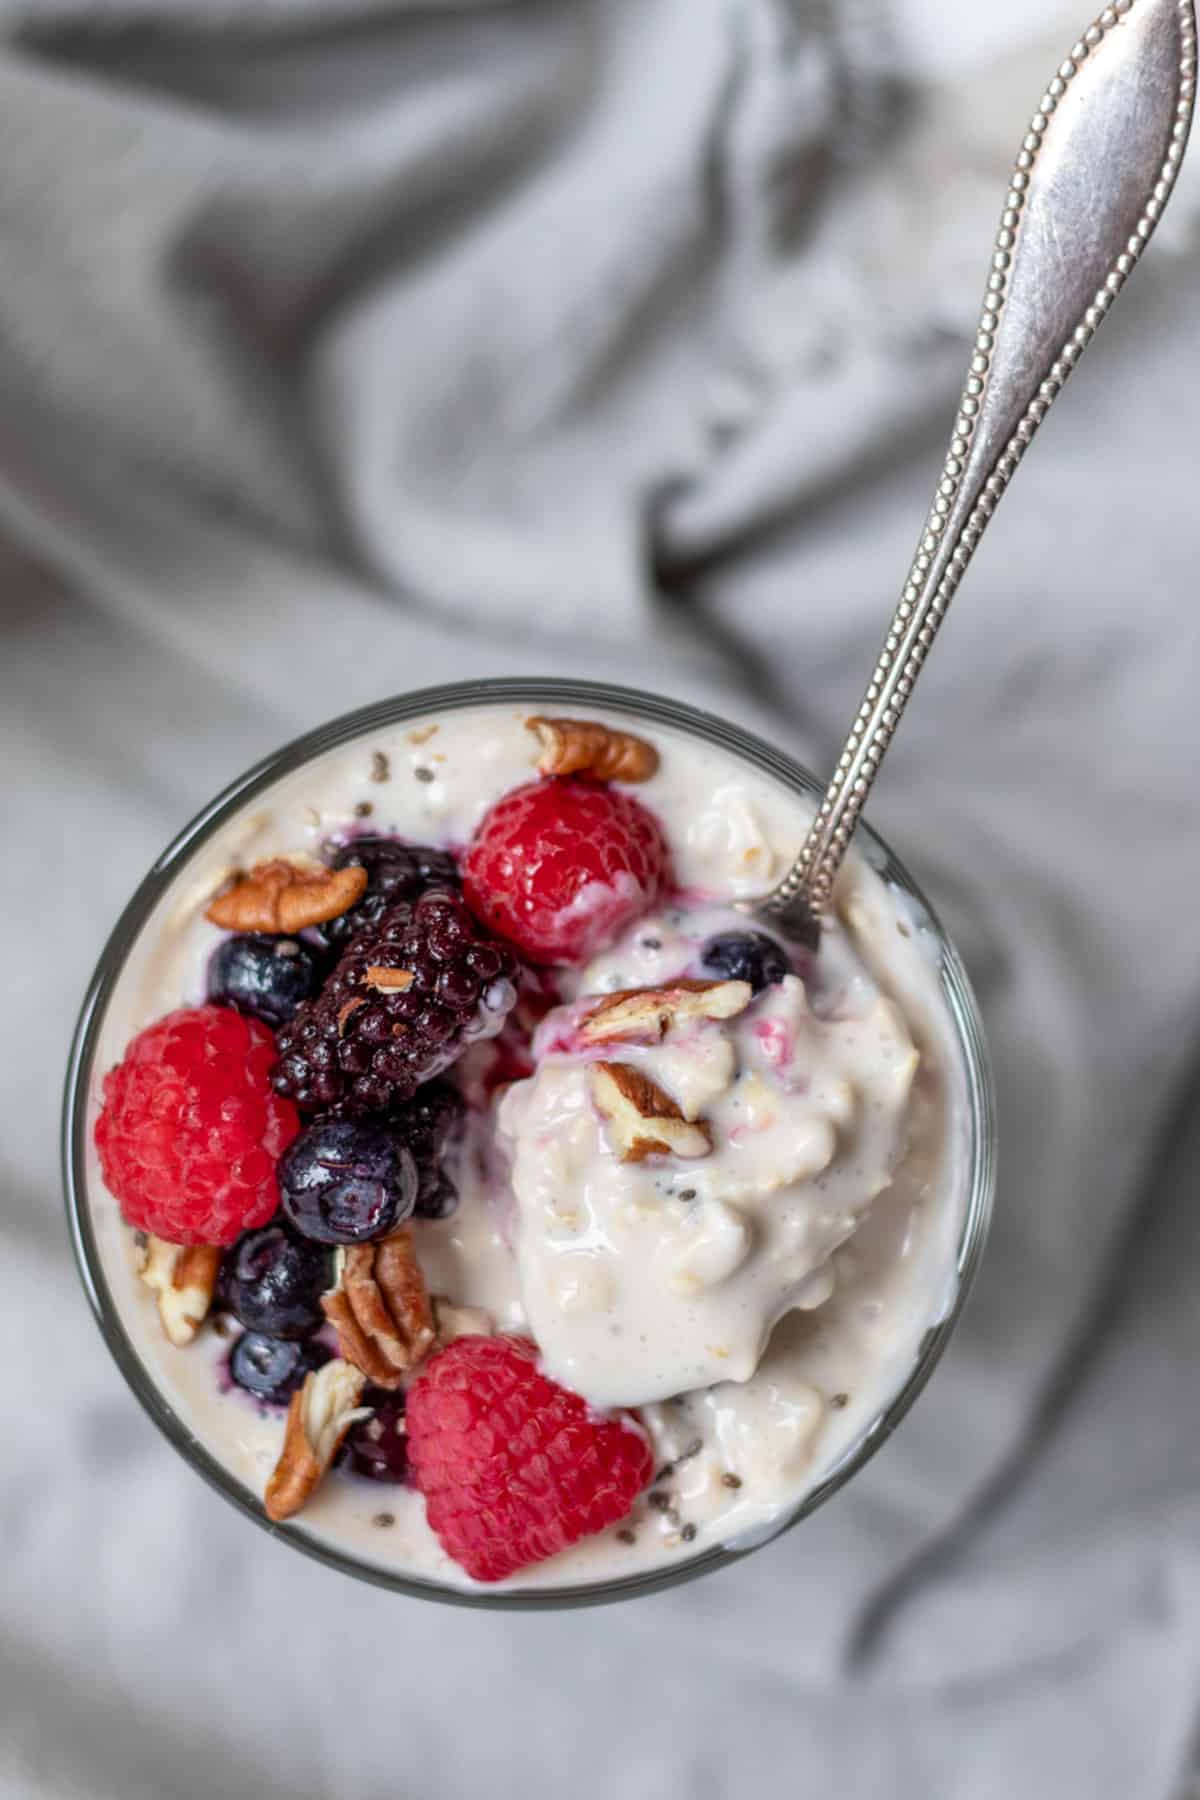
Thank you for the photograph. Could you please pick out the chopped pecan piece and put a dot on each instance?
(346, 1013)
(319, 1417)
(284, 896)
(388, 981)
(580, 747)
(184, 1276)
(382, 1312)
(460, 1321)
(645, 1015)
(642, 1119)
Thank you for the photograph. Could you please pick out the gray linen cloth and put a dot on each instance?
(347, 346)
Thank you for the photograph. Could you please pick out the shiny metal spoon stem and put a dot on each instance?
(1094, 172)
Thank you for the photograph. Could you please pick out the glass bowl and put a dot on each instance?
(83, 1076)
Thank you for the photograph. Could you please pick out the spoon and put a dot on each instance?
(1094, 172)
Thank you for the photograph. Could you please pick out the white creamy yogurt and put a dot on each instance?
(642, 1280)
(762, 1304)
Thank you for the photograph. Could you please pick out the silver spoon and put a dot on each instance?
(1094, 172)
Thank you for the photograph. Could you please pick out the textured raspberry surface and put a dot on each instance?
(560, 867)
(191, 1131)
(513, 1467)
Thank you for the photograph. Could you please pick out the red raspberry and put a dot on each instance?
(559, 867)
(513, 1467)
(191, 1130)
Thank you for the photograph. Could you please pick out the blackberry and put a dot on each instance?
(745, 956)
(408, 995)
(395, 871)
(426, 1125)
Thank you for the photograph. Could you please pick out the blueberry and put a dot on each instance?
(438, 1197)
(377, 1447)
(344, 1181)
(272, 1368)
(745, 956)
(426, 1124)
(273, 1281)
(267, 977)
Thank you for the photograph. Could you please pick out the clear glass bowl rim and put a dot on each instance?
(651, 708)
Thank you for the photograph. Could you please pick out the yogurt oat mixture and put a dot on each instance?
(701, 1188)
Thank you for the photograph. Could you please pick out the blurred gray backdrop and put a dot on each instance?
(347, 345)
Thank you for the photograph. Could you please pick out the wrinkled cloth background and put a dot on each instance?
(347, 346)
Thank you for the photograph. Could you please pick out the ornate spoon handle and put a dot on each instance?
(1093, 175)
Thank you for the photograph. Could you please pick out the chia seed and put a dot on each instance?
(687, 1194)
(625, 1536)
(688, 1533)
(381, 768)
(363, 810)
(730, 1480)
(838, 1401)
(424, 774)
(660, 1502)
(383, 1520)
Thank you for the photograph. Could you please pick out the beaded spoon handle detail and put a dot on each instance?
(1093, 175)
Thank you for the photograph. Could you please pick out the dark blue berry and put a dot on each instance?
(273, 1281)
(438, 1197)
(267, 977)
(395, 871)
(426, 1124)
(272, 1368)
(344, 1181)
(377, 1447)
(745, 956)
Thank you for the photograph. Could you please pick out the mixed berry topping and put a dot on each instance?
(272, 1280)
(560, 867)
(266, 977)
(408, 995)
(313, 1102)
(191, 1130)
(346, 1181)
(745, 956)
(273, 1368)
(395, 871)
(513, 1467)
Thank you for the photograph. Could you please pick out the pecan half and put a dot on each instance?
(319, 1417)
(284, 896)
(645, 1015)
(382, 1311)
(580, 747)
(643, 1120)
(184, 1276)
